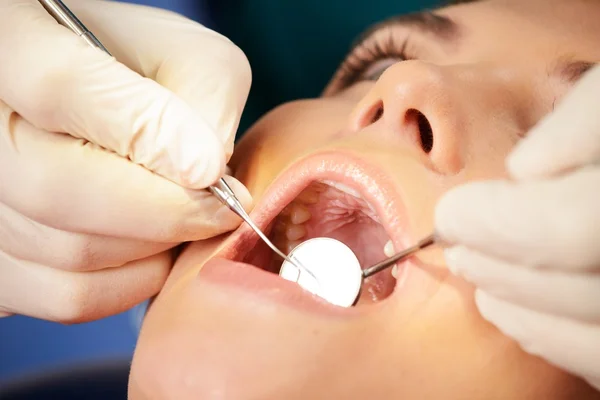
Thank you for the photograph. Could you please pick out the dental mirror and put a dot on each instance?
(332, 270)
(337, 275)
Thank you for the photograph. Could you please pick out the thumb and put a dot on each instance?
(565, 139)
(81, 91)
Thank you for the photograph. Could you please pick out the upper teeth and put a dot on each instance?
(299, 214)
(343, 188)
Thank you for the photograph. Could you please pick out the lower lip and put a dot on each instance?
(245, 280)
(242, 283)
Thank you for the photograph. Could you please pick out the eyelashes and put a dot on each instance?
(371, 57)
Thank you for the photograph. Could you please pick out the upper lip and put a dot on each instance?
(340, 166)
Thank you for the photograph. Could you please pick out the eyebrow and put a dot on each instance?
(427, 22)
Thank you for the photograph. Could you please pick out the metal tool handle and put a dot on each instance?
(66, 18)
(423, 243)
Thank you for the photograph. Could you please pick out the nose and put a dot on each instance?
(418, 103)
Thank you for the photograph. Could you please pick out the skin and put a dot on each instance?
(480, 90)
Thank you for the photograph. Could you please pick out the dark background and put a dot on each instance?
(293, 48)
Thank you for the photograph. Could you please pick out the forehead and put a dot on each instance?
(526, 29)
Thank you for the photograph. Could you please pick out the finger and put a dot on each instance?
(552, 292)
(63, 183)
(550, 223)
(72, 297)
(28, 240)
(200, 66)
(565, 139)
(79, 90)
(568, 344)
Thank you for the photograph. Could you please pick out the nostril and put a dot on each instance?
(425, 130)
(376, 113)
(426, 133)
(368, 115)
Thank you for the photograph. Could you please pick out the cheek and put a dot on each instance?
(488, 157)
(444, 341)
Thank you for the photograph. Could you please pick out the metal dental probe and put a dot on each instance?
(422, 244)
(221, 190)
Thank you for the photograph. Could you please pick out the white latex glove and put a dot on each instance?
(84, 232)
(532, 245)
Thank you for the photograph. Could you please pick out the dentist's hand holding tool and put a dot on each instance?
(532, 245)
(101, 160)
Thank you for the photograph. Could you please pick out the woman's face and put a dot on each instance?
(366, 163)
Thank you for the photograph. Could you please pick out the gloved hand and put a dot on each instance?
(531, 246)
(84, 227)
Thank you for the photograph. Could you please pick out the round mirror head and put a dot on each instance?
(335, 267)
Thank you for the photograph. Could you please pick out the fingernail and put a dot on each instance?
(241, 192)
(448, 213)
(501, 313)
(529, 158)
(483, 304)
(452, 255)
(227, 219)
(518, 162)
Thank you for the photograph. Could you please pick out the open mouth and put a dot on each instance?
(329, 195)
